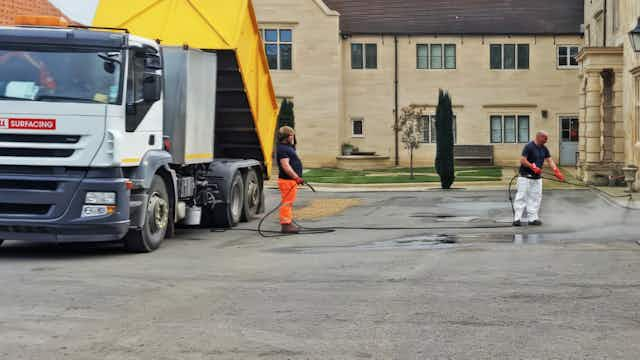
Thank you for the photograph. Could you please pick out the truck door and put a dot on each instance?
(143, 115)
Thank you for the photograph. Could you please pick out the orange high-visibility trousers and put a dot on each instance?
(288, 191)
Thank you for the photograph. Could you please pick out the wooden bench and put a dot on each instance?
(473, 154)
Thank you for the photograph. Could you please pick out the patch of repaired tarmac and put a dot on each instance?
(322, 208)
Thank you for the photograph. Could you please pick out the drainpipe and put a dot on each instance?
(604, 16)
(395, 110)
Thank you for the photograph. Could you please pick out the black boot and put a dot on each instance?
(517, 223)
(289, 229)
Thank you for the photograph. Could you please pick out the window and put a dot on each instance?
(509, 56)
(588, 35)
(450, 56)
(428, 125)
(364, 56)
(422, 52)
(509, 129)
(523, 129)
(570, 130)
(371, 56)
(523, 56)
(436, 56)
(136, 80)
(357, 127)
(278, 44)
(357, 60)
(568, 56)
(496, 129)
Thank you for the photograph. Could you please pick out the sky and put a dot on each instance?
(78, 10)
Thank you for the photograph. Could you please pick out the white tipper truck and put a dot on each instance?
(109, 136)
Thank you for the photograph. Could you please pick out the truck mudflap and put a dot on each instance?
(46, 204)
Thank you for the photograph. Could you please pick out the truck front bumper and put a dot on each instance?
(46, 205)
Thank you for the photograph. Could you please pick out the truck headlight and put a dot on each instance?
(100, 198)
(97, 210)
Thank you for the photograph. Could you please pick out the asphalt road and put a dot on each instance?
(567, 290)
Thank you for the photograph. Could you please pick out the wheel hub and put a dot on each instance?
(157, 213)
(252, 194)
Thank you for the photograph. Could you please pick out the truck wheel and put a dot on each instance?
(252, 196)
(229, 214)
(156, 220)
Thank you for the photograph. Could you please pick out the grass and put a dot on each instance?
(399, 175)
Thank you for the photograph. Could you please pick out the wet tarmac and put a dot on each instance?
(566, 290)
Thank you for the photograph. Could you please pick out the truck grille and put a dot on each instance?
(24, 209)
(30, 152)
(40, 139)
(28, 185)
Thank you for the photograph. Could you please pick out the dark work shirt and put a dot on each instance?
(285, 151)
(536, 155)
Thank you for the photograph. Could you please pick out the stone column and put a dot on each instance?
(619, 133)
(582, 130)
(593, 118)
(608, 115)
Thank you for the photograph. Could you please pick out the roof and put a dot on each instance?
(473, 17)
(9, 9)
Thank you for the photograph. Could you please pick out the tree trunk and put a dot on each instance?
(411, 161)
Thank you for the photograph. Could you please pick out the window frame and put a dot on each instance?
(443, 56)
(503, 133)
(364, 61)
(568, 57)
(278, 44)
(516, 65)
(353, 121)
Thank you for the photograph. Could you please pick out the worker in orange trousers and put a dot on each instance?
(290, 176)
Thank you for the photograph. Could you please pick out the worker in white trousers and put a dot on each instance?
(529, 195)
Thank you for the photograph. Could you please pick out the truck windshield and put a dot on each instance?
(80, 76)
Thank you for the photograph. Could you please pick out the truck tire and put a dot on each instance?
(1, 241)
(156, 220)
(252, 196)
(228, 215)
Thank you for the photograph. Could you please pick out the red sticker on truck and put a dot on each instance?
(27, 124)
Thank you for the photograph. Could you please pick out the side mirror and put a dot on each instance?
(152, 88)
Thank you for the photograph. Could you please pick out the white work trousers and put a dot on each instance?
(529, 196)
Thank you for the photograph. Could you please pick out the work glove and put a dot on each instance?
(300, 181)
(536, 170)
(558, 174)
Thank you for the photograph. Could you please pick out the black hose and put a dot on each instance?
(305, 230)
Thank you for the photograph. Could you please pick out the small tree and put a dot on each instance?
(410, 131)
(286, 117)
(444, 140)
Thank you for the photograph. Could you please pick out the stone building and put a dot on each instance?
(609, 90)
(349, 66)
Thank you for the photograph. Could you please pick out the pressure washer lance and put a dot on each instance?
(549, 178)
(305, 230)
